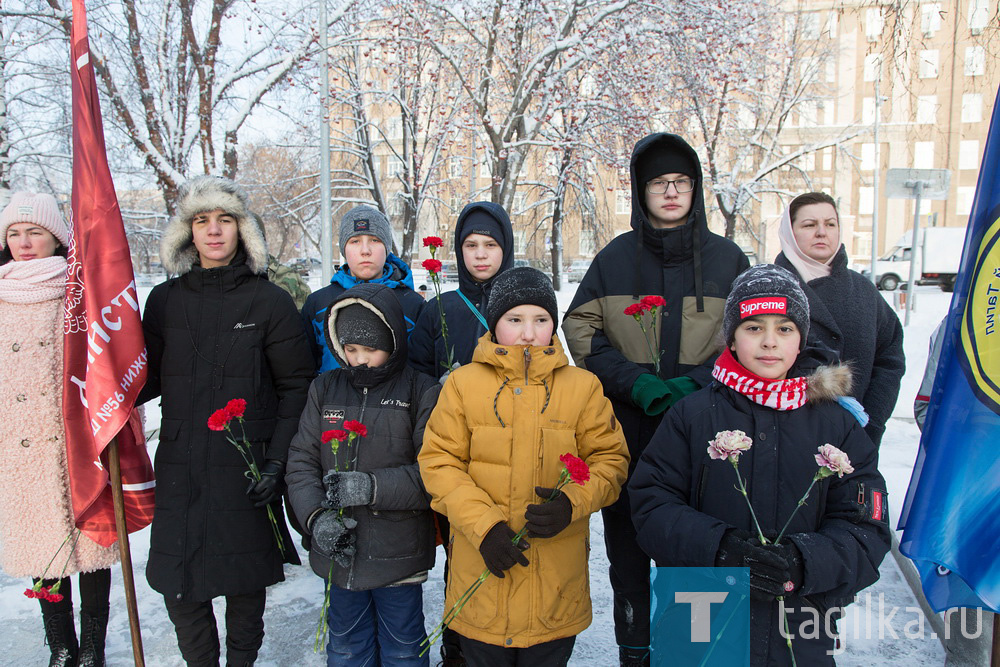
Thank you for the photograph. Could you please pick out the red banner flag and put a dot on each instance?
(105, 354)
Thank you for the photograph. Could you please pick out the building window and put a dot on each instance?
(930, 18)
(867, 157)
(622, 203)
(827, 159)
(832, 22)
(968, 154)
(587, 244)
(928, 68)
(519, 203)
(455, 203)
(394, 167)
(552, 166)
(972, 108)
(808, 161)
(866, 200)
(810, 25)
(520, 242)
(873, 63)
(975, 61)
(455, 167)
(923, 155)
(808, 113)
(863, 244)
(395, 129)
(868, 110)
(963, 203)
(874, 23)
(979, 15)
(396, 207)
(927, 107)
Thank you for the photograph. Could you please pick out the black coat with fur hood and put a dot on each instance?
(683, 501)
(213, 335)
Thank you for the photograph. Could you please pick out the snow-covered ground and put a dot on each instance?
(293, 606)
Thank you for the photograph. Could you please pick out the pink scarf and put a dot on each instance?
(809, 269)
(33, 280)
(786, 394)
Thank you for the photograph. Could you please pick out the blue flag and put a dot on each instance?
(951, 517)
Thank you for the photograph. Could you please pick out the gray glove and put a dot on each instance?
(444, 377)
(348, 489)
(334, 536)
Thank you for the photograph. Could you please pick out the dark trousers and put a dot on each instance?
(95, 593)
(383, 626)
(198, 634)
(629, 580)
(555, 653)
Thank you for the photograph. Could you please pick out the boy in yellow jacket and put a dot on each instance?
(490, 459)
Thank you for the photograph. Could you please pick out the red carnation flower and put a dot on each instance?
(635, 310)
(432, 265)
(355, 426)
(579, 471)
(335, 434)
(30, 593)
(54, 597)
(219, 420)
(653, 301)
(433, 242)
(236, 407)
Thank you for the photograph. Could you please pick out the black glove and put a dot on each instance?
(348, 489)
(499, 551)
(271, 484)
(334, 536)
(768, 569)
(548, 519)
(796, 565)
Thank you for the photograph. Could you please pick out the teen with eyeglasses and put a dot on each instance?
(674, 256)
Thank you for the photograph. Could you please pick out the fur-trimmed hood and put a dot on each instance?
(828, 383)
(207, 193)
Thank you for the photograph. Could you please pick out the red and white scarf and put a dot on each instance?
(785, 394)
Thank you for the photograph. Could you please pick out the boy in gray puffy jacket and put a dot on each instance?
(365, 505)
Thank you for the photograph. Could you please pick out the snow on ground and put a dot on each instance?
(293, 606)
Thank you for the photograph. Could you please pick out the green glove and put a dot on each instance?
(656, 396)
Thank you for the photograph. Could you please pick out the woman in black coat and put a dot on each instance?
(216, 332)
(848, 314)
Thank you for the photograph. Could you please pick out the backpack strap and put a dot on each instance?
(475, 311)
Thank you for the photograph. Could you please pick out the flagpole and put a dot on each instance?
(995, 661)
(128, 578)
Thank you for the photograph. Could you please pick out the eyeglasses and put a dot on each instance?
(660, 186)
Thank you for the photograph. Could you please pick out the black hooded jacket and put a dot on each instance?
(427, 349)
(683, 501)
(689, 266)
(213, 335)
(395, 534)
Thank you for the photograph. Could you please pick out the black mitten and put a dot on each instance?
(796, 565)
(768, 569)
(334, 536)
(271, 484)
(348, 489)
(550, 518)
(499, 552)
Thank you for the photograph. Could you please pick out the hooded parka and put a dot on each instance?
(395, 274)
(683, 502)
(497, 432)
(427, 350)
(689, 266)
(213, 335)
(394, 538)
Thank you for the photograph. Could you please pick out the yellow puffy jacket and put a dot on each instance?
(498, 430)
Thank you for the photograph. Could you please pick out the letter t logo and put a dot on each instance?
(701, 611)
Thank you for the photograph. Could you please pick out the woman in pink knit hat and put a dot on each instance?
(36, 513)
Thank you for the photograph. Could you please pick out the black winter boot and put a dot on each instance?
(451, 656)
(60, 634)
(630, 656)
(93, 631)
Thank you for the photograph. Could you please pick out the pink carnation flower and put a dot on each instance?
(729, 445)
(833, 461)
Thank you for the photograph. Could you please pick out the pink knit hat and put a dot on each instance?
(36, 207)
